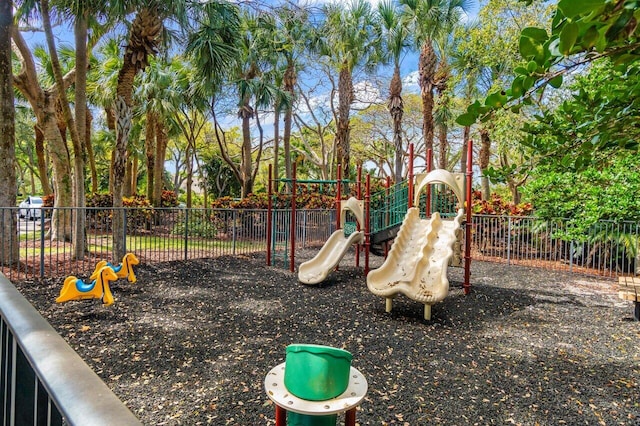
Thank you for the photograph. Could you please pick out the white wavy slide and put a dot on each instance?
(317, 269)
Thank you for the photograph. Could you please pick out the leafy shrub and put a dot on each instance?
(496, 205)
(199, 224)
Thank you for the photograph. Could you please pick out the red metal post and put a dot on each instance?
(429, 167)
(367, 225)
(467, 239)
(281, 416)
(350, 418)
(410, 178)
(358, 224)
(269, 214)
(292, 237)
(387, 217)
(338, 197)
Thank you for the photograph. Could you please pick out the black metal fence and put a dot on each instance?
(157, 235)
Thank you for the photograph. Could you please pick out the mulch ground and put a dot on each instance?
(191, 342)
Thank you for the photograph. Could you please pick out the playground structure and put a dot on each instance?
(417, 263)
(123, 270)
(317, 269)
(76, 289)
(422, 249)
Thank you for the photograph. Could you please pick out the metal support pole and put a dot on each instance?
(294, 191)
(367, 225)
(428, 198)
(410, 178)
(467, 240)
(269, 213)
(186, 233)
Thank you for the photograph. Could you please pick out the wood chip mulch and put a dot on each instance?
(191, 342)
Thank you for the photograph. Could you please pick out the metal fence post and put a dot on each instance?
(124, 230)
(508, 240)
(233, 239)
(41, 244)
(186, 232)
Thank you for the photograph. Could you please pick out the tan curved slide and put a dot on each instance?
(417, 263)
(317, 269)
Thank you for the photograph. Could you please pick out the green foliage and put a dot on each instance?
(199, 224)
(589, 196)
(581, 33)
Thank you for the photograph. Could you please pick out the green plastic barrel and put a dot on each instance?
(316, 372)
(296, 419)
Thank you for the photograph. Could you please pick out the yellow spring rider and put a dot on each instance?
(105, 272)
(123, 270)
(76, 289)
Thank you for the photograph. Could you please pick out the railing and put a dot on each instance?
(42, 380)
(158, 235)
(607, 249)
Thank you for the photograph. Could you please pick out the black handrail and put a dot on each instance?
(43, 381)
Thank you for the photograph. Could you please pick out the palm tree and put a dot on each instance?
(349, 38)
(8, 186)
(428, 19)
(292, 34)
(396, 36)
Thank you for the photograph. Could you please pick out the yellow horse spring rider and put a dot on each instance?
(123, 270)
(76, 289)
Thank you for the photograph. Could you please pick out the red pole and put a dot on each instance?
(269, 214)
(281, 416)
(358, 225)
(292, 231)
(367, 225)
(429, 167)
(387, 215)
(338, 197)
(467, 239)
(410, 201)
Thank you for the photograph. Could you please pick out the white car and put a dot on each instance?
(31, 208)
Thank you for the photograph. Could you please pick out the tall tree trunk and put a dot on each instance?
(427, 63)
(8, 183)
(396, 109)
(134, 176)
(60, 164)
(146, 30)
(276, 142)
(78, 175)
(149, 149)
(162, 140)
(483, 162)
(189, 166)
(246, 168)
(126, 184)
(289, 80)
(42, 163)
(345, 95)
(80, 142)
(465, 147)
(443, 147)
(90, 154)
(43, 103)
